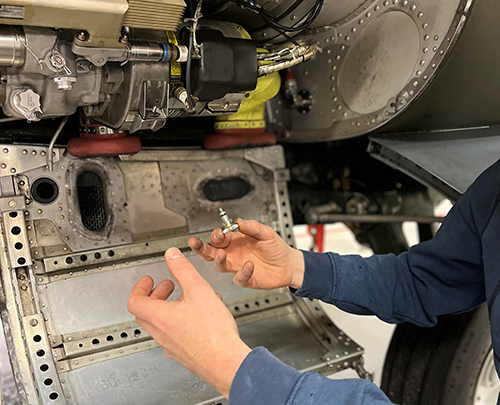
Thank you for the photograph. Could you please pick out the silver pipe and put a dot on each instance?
(374, 219)
(50, 157)
(12, 50)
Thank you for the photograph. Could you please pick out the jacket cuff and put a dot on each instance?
(262, 379)
(318, 277)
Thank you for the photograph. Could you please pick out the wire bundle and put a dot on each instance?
(271, 21)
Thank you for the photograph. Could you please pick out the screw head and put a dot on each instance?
(12, 204)
(33, 322)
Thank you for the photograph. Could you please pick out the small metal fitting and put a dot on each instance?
(227, 223)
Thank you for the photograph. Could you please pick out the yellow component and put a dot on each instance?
(243, 32)
(251, 112)
(175, 67)
(252, 108)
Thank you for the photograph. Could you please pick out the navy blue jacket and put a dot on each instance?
(455, 272)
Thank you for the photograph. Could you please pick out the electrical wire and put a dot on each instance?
(271, 21)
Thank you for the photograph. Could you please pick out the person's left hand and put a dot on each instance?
(197, 330)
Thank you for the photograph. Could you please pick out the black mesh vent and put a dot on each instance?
(91, 199)
(230, 188)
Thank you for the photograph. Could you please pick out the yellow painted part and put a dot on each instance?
(253, 105)
(175, 67)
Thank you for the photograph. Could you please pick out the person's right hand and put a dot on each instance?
(256, 256)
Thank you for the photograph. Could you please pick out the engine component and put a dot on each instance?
(27, 102)
(248, 125)
(100, 23)
(226, 65)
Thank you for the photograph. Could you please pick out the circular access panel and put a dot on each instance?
(380, 63)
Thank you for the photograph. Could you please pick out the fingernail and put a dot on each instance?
(217, 236)
(244, 223)
(174, 253)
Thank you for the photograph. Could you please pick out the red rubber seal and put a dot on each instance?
(239, 138)
(104, 145)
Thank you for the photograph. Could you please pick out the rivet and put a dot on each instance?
(5, 150)
(33, 152)
(39, 211)
(3, 166)
(25, 152)
(13, 170)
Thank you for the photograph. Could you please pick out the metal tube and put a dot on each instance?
(12, 50)
(50, 157)
(375, 219)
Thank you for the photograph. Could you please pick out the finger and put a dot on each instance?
(219, 239)
(184, 272)
(205, 251)
(255, 229)
(139, 303)
(181, 298)
(243, 278)
(220, 296)
(163, 290)
(220, 261)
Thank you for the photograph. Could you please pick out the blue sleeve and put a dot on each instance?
(441, 276)
(262, 379)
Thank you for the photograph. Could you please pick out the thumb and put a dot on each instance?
(255, 229)
(183, 271)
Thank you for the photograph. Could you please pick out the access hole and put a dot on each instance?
(97, 255)
(40, 353)
(267, 301)
(21, 261)
(44, 190)
(13, 214)
(48, 381)
(137, 333)
(110, 338)
(257, 303)
(95, 342)
(111, 253)
(37, 338)
(44, 367)
(236, 309)
(56, 263)
(123, 335)
(83, 258)
(53, 396)
(247, 306)
(69, 260)
(18, 245)
(80, 345)
(15, 230)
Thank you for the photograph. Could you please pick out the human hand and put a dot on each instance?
(256, 256)
(197, 330)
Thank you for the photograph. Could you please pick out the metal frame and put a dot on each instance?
(61, 259)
